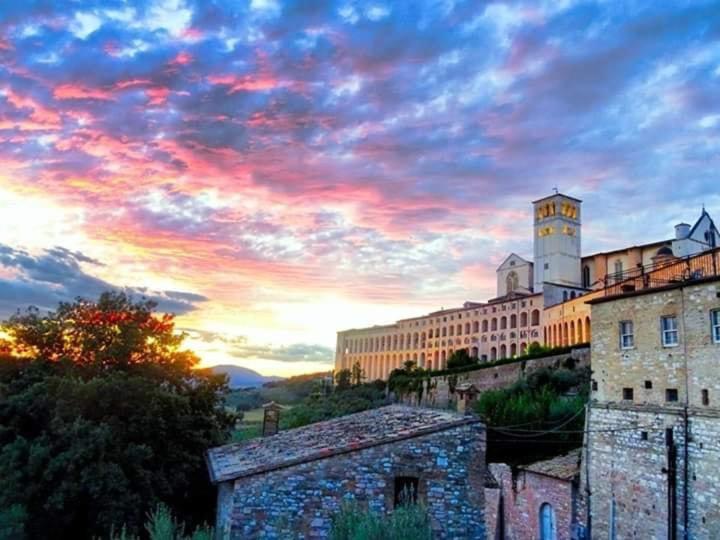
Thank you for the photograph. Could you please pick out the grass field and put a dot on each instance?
(251, 425)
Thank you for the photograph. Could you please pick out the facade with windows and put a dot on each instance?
(542, 302)
(654, 418)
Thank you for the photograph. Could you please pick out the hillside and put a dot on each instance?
(242, 377)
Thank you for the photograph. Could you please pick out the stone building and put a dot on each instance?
(291, 484)
(536, 501)
(540, 302)
(653, 441)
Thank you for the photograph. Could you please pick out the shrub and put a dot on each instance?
(409, 522)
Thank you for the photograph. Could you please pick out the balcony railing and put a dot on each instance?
(691, 268)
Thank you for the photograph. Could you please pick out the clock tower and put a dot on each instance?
(557, 241)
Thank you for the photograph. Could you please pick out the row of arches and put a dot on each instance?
(567, 333)
(379, 366)
(416, 340)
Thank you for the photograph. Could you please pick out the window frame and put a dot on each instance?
(622, 335)
(715, 325)
(665, 332)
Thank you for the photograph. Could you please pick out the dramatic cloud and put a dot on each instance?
(302, 166)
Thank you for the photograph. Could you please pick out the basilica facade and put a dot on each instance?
(542, 301)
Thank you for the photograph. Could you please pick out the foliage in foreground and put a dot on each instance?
(532, 418)
(103, 417)
(408, 522)
(161, 525)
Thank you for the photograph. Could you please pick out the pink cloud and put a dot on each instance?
(73, 91)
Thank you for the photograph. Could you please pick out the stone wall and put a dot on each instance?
(299, 501)
(523, 494)
(628, 478)
(631, 411)
(440, 394)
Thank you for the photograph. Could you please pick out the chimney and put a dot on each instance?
(271, 419)
(682, 231)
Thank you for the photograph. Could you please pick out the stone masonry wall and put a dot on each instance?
(631, 471)
(626, 453)
(299, 501)
(523, 495)
(494, 377)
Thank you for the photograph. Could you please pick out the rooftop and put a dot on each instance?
(325, 439)
(563, 467)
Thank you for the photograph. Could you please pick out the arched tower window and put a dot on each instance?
(512, 282)
(586, 276)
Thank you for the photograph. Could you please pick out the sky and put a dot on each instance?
(273, 172)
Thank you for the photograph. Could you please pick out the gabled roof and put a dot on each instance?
(325, 439)
(562, 467)
(697, 224)
(511, 256)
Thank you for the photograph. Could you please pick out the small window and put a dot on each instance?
(705, 397)
(406, 490)
(627, 394)
(648, 385)
(643, 435)
(715, 323)
(669, 331)
(594, 386)
(671, 394)
(627, 336)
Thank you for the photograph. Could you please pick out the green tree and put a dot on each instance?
(102, 417)
(343, 379)
(357, 375)
(460, 358)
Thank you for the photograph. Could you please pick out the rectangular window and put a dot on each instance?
(627, 337)
(648, 385)
(715, 323)
(705, 397)
(627, 394)
(406, 490)
(669, 331)
(671, 394)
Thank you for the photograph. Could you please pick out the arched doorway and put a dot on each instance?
(547, 522)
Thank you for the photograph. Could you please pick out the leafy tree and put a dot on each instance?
(343, 379)
(102, 417)
(460, 358)
(357, 375)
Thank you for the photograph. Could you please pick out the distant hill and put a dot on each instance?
(242, 377)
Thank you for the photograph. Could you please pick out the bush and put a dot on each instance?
(161, 525)
(409, 522)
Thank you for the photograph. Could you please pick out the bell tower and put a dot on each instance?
(557, 221)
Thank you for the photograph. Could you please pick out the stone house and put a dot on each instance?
(536, 501)
(653, 456)
(291, 484)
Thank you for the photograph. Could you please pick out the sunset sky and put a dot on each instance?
(276, 171)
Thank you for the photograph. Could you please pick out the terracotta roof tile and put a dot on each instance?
(323, 439)
(563, 467)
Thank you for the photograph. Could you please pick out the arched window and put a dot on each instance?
(476, 327)
(565, 296)
(503, 322)
(493, 324)
(503, 351)
(513, 321)
(493, 353)
(586, 276)
(547, 522)
(485, 326)
(523, 319)
(512, 282)
(535, 317)
(474, 352)
(513, 350)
